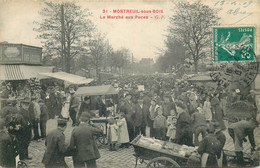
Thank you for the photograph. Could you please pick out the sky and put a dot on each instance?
(143, 37)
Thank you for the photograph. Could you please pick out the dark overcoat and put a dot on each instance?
(7, 149)
(83, 141)
(55, 149)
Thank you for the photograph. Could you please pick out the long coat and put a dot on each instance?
(123, 136)
(139, 115)
(7, 149)
(215, 104)
(54, 154)
(83, 140)
(129, 112)
(184, 129)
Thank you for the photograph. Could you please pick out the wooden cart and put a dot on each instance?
(171, 155)
(163, 157)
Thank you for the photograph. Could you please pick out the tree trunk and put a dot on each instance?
(196, 66)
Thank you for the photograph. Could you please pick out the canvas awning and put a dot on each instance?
(96, 90)
(71, 78)
(22, 72)
(202, 78)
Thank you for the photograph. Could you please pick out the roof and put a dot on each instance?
(96, 90)
(22, 72)
(71, 78)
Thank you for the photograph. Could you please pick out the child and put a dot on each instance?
(160, 125)
(123, 137)
(171, 122)
(112, 134)
(200, 108)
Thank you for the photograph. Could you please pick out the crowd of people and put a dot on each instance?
(165, 108)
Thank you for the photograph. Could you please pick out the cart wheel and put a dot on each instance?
(162, 162)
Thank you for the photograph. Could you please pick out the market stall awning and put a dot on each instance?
(22, 72)
(96, 90)
(202, 78)
(71, 78)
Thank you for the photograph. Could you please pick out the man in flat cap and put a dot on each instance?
(83, 142)
(55, 147)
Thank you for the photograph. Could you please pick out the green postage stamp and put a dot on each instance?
(234, 43)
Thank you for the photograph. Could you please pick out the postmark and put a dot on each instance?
(238, 74)
(234, 44)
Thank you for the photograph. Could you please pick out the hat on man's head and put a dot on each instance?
(9, 101)
(62, 122)
(86, 98)
(85, 116)
(26, 100)
(216, 125)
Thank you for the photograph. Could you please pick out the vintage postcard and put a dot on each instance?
(121, 83)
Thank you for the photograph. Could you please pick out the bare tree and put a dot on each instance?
(98, 51)
(192, 24)
(64, 29)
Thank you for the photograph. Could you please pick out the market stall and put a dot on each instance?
(110, 93)
(66, 77)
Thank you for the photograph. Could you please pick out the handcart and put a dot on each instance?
(163, 154)
(101, 122)
(157, 153)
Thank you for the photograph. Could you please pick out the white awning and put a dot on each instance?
(71, 78)
(22, 72)
(96, 90)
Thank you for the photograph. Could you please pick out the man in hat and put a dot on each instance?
(210, 149)
(8, 109)
(85, 107)
(140, 111)
(24, 133)
(251, 99)
(102, 106)
(238, 131)
(83, 142)
(167, 106)
(74, 106)
(7, 147)
(183, 126)
(55, 147)
(129, 112)
(35, 113)
(199, 126)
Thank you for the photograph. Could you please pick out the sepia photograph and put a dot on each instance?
(129, 83)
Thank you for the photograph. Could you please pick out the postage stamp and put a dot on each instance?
(234, 44)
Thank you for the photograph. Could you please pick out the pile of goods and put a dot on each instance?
(150, 143)
(167, 147)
